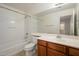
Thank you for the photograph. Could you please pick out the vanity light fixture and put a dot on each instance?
(58, 4)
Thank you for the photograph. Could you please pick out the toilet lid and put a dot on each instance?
(30, 45)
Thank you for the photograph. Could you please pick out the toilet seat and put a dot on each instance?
(29, 46)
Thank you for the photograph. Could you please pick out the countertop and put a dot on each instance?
(62, 39)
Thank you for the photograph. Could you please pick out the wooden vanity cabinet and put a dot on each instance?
(53, 49)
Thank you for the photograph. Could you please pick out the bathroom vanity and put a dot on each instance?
(51, 46)
(46, 48)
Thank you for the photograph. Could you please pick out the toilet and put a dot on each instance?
(30, 48)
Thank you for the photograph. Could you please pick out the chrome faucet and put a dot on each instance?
(58, 36)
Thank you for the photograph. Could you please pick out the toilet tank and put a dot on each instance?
(35, 38)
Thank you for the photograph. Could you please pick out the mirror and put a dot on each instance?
(60, 20)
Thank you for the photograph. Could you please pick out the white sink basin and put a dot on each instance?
(67, 40)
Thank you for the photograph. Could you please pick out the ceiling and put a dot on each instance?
(32, 8)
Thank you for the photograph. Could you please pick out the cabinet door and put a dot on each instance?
(41, 50)
(51, 52)
(73, 52)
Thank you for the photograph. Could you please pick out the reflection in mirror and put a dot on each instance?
(65, 24)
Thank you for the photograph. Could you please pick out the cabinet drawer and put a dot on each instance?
(41, 42)
(57, 47)
(73, 51)
(51, 52)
